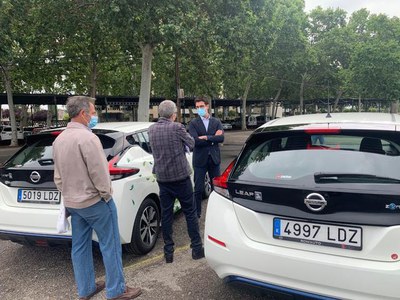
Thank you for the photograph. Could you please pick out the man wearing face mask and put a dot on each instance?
(208, 133)
(81, 174)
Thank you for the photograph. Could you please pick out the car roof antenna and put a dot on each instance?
(328, 115)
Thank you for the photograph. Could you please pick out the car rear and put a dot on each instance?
(312, 210)
(29, 200)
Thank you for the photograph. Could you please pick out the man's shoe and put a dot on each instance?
(130, 293)
(169, 258)
(198, 254)
(100, 285)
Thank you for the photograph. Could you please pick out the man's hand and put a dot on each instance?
(219, 132)
(203, 137)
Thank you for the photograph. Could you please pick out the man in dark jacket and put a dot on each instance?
(168, 141)
(207, 132)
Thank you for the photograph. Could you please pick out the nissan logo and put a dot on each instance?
(315, 202)
(35, 177)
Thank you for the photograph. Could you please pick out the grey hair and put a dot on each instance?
(77, 103)
(166, 109)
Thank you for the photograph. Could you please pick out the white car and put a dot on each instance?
(6, 134)
(226, 126)
(311, 207)
(29, 201)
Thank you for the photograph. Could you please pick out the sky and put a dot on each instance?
(388, 7)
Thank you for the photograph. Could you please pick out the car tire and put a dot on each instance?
(146, 228)
(207, 186)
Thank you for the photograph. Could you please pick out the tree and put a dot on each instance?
(15, 34)
(148, 24)
(375, 65)
(247, 34)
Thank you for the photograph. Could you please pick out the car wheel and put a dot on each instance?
(207, 186)
(146, 228)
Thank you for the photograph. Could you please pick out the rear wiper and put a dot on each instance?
(352, 178)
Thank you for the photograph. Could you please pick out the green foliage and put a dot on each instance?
(219, 48)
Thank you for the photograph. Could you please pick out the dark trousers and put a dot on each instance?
(199, 178)
(183, 191)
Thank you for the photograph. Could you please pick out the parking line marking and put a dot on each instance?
(149, 261)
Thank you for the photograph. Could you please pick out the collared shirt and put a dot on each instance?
(80, 167)
(206, 121)
(168, 140)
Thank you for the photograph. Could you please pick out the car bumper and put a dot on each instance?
(35, 239)
(296, 271)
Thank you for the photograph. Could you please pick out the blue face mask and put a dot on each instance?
(93, 121)
(201, 111)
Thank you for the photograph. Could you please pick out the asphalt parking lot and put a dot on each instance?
(46, 273)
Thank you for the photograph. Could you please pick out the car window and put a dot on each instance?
(36, 154)
(39, 151)
(132, 139)
(291, 157)
(112, 141)
(144, 142)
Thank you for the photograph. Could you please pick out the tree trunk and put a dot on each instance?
(10, 102)
(93, 79)
(49, 116)
(24, 117)
(191, 114)
(359, 103)
(145, 85)
(278, 93)
(394, 107)
(244, 101)
(178, 87)
(338, 96)
(303, 79)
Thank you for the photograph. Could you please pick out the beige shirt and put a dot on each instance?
(80, 167)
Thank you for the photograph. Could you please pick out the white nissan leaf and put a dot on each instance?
(29, 200)
(311, 208)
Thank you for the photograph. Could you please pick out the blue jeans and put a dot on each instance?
(102, 218)
(199, 177)
(183, 191)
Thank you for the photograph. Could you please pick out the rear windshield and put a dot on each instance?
(286, 157)
(39, 151)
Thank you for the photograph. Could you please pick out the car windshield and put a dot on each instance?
(323, 158)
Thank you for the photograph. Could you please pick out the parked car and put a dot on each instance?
(261, 120)
(29, 201)
(226, 126)
(320, 220)
(6, 133)
(251, 121)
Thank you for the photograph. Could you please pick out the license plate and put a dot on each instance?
(345, 237)
(36, 196)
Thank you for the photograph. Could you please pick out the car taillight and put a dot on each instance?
(221, 182)
(55, 133)
(118, 172)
